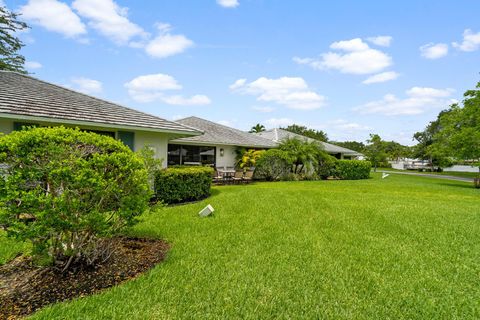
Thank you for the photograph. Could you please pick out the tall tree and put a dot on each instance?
(459, 128)
(375, 151)
(10, 45)
(310, 133)
(257, 128)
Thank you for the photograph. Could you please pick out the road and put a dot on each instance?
(437, 176)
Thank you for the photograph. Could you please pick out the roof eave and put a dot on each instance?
(14, 116)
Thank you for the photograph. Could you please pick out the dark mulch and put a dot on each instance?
(25, 288)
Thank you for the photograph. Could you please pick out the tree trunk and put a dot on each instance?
(476, 181)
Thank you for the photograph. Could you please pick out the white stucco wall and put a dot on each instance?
(228, 159)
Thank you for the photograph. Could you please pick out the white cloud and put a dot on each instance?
(471, 41)
(152, 87)
(292, 92)
(54, 16)
(356, 58)
(263, 109)
(278, 122)
(434, 51)
(347, 126)
(33, 65)
(88, 86)
(178, 100)
(2, 4)
(381, 77)
(383, 41)
(109, 19)
(228, 3)
(167, 44)
(418, 100)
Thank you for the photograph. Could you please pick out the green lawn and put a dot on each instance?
(400, 248)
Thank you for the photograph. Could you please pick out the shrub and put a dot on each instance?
(273, 165)
(181, 184)
(326, 166)
(63, 189)
(352, 169)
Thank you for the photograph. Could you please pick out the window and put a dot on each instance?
(128, 138)
(191, 155)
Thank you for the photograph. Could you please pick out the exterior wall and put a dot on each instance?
(229, 155)
(6, 126)
(156, 140)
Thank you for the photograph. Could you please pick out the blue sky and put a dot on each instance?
(349, 68)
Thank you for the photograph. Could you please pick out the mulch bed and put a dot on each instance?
(25, 288)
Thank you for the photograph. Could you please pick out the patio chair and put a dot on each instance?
(248, 177)
(238, 177)
(217, 177)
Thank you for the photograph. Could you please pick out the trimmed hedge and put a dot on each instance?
(182, 184)
(273, 165)
(352, 169)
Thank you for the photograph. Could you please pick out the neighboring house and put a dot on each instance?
(27, 101)
(216, 147)
(277, 135)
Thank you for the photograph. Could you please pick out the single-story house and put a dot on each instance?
(215, 147)
(277, 135)
(27, 101)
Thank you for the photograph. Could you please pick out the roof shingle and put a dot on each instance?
(23, 95)
(218, 134)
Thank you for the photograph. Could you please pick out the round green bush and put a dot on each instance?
(273, 165)
(352, 169)
(182, 184)
(63, 189)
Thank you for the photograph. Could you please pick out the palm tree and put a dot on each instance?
(304, 153)
(257, 128)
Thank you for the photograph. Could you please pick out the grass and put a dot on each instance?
(400, 248)
(445, 173)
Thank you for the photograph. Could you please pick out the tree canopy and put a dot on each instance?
(10, 45)
(457, 130)
(310, 133)
(375, 150)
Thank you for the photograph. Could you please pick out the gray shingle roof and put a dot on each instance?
(22, 95)
(218, 134)
(278, 135)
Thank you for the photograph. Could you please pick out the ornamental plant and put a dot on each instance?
(65, 189)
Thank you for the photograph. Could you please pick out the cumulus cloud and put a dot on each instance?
(153, 87)
(354, 57)
(54, 16)
(418, 100)
(88, 86)
(33, 65)
(434, 50)
(278, 122)
(347, 126)
(166, 44)
(228, 3)
(108, 19)
(382, 41)
(471, 41)
(381, 77)
(292, 92)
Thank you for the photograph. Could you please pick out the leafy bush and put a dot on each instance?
(352, 169)
(326, 166)
(304, 153)
(181, 184)
(273, 165)
(63, 189)
(247, 158)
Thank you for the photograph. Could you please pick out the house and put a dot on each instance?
(277, 135)
(27, 101)
(215, 147)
